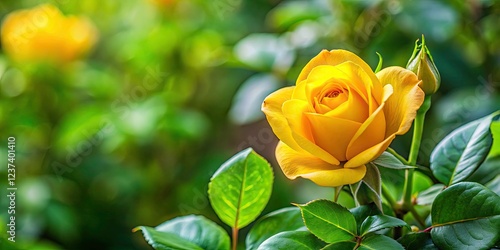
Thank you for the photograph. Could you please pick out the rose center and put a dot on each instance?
(333, 94)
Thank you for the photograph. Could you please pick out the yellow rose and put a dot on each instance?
(45, 34)
(340, 116)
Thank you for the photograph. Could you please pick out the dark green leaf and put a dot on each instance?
(388, 160)
(420, 241)
(344, 245)
(292, 240)
(167, 241)
(466, 215)
(378, 222)
(460, 153)
(286, 219)
(241, 188)
(362, 212)
(378, 241)
(427, 196)
(329, 221)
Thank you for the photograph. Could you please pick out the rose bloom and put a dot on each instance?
(340, 116)
(45, 34)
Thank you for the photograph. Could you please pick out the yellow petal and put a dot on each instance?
(333, 134)
(372, 131)
(336, 57)
(294, 112)
(401, 108)
(272, 108)
(296, 164)
(370, 154)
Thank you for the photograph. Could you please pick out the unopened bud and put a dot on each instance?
(422, 64)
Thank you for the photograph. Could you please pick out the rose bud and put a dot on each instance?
(422, 64)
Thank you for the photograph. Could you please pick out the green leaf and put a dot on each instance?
(466, 215)
(421, 241)
(427, 196)
(194, 229)
(494, 185)
(380, 62)
(369, 188)
(362, 212)
(286, 219)
(292, 240)
(329, 221)
(378, 222)
(460, 153)
(495, 131)
(166, 241)
(388, 160)
(344, 245)
(378, 241)
(240, 189)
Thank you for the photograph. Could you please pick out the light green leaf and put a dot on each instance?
(460, 153)
(344, 245)
(388, 160)
(329, 221)
(285, 219)
(190, 232)
(292, 240)
(240, 189)
(427, 196)
(421, 241)
(167, 241)
(464, 216)
(495, 131)
(378, 222)
(378, 241)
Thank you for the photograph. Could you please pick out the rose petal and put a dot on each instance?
(336, 57)
(272, 109)
(332, 134)
(370, 154)
(296, 164)
(294, 111)
(401, 108)
(372, 131)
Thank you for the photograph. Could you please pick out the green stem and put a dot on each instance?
(418, 128)
(400, 158)
(337, 193)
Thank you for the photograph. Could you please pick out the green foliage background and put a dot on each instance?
(132, 134)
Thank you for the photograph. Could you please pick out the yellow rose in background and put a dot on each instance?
(340, 116)
(45, 34)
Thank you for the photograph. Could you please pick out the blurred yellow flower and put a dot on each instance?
(45, 34)
(340, 116)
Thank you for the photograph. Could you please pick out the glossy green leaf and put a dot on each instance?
(286, 219)
(344, 245)
(329, 221)
(460, 153)
(388, 160)
(378, 241)
(292, 240)
(421, 241)
(194, 229)
(466, 215)
(167, 241)
(362, 212)
(427, 196)
(378, 222)
(240, 189)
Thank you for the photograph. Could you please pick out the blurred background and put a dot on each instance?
(121, 119)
